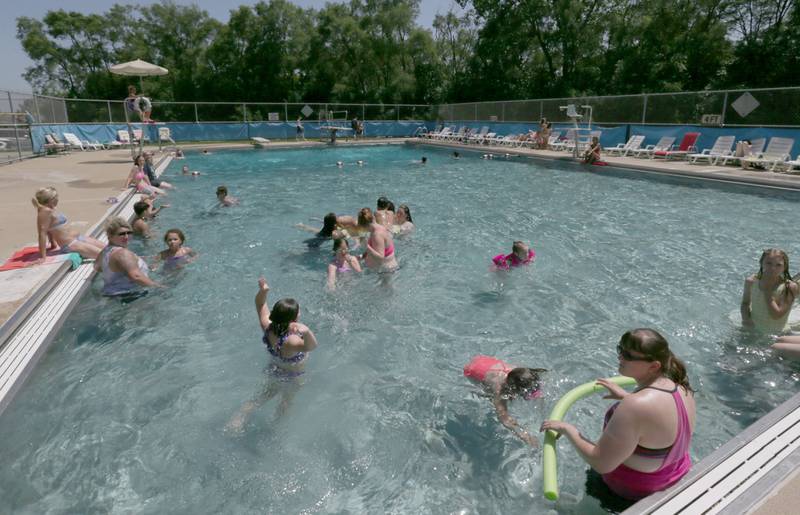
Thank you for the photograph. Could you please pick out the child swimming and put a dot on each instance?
(176, 255)
(505, 383)
(342, 262)
(768, 295)
(520, 255)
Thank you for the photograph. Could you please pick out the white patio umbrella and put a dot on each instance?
(138, 68)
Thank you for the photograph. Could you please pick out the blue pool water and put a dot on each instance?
(127, 410)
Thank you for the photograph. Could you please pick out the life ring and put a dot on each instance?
(144, 105)
(549, 467)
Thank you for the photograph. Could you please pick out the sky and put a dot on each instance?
(13, 59)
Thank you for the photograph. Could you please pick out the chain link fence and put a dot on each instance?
(772, 107)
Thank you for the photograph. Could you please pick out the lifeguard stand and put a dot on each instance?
(583, 135)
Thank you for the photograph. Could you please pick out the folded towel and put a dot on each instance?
(27, 256)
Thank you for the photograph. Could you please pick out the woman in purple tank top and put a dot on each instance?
(646, 435)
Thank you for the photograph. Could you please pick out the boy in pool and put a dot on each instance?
(520, 255)
(505, 383)
(224, 199)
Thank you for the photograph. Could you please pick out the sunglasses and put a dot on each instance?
(124, 233)
(627, 356)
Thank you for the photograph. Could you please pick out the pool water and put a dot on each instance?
(128, 410)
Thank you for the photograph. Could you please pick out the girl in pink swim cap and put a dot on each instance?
(505, 382)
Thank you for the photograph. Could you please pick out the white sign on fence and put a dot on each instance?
(745, 104)
(274, 117)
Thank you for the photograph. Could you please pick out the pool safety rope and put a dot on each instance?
(549, 466)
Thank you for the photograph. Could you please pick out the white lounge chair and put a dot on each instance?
(664, 143)
(756, 147)
(622, 149)
(456, 136)
(442, 134)
(773, 157)
(475, 138)
(73, 141)
(124, 137)
(722, 148)
(791, 165)
(51, 145)
(260, 142)
(165, 135)
(553, 139)
(569, 140)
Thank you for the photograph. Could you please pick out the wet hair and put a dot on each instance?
(175, 231)
(655, 348)
(365, 217)
(772, 252)
(222, 190)
(283, 313)
(786, 276)
(404, 207)
(390, 207)
(338, 242)
(521, 381)
(424, 159)
(517, 246)
(43, 196)
(116, 223)
(328, 226)
(140, 207)
(383, 203)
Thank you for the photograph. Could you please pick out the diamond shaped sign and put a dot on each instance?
(745, 104)
(306, 110)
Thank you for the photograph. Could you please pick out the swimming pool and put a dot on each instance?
(127, 410)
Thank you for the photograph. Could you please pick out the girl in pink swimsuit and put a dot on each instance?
(505, 382)
(138, 179)
(644, 447)
(342, 263)
(520, 255)
(379, 255)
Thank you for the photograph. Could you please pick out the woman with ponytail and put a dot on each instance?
(644, 447)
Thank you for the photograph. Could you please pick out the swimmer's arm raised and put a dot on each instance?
(262, 309)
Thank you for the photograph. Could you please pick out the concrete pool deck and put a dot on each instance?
(86, 179)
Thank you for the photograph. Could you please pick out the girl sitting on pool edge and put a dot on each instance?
(521, 254)
(506, 383)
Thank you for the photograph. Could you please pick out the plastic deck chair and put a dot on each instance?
(684, 149)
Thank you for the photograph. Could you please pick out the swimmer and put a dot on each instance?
(342, 262)
(505, 383)
(360, 163)
(179, 154)
(456, 155)
(768, 295)
(424, 160)
(140, 227)
(195, 173)
(124, 273)
(224, 199)
(185, 170)
(403, 224)
(206, 152)
(54, 231)
(383, 215)
(327, 231)
(288, 342)
(379, 255)
(339, 164)
(520, 255)
(176, 255)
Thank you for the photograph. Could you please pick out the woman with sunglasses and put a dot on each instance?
(124, 273)
(644, 446)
